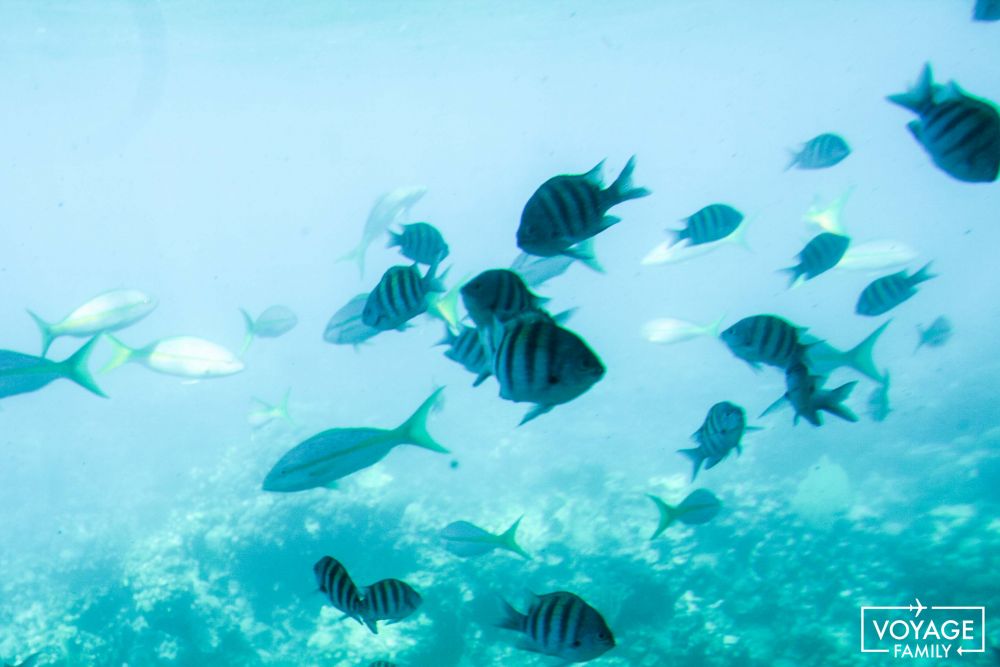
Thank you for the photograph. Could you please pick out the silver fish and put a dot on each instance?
(104, 313)
(389, 209)
(467, 540)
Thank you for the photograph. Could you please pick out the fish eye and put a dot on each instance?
(553, 379)
(576, 644)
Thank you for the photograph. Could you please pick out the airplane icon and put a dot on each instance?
(918, 607)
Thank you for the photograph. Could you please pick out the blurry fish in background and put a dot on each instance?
(536, 270)
(346, 326)
(936, 335)
(421, 242)
(765, 339)
(569, 209)
(467, 349)
(104, 313)
(498, 295)
(263, 413)
(400, 295)
(333, 579)
(273, 322)
(820, 152)
(181, 356)
(878, 401)
(718, 435)
(877, 256)
(700, 506)
(708, 225)
(668, 330)
(669, 252)
(823, 358)
(884, 294)
(30, 661)
(389, 600)
(382, 663)
(25, 373)
(444, 306)
(805, 394)
(986, 10)
(388, 210)
(339, 452)
(960, 132)
(537, 361)
(829, 218)
(820, 255)
(467, 540)
(562, 625)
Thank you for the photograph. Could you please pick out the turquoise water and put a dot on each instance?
(225, 155)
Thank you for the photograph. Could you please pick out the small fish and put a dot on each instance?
(346, 327)
(562, 625)
(420, 242)
(539, 362)
(718, 435)
(264, 413)
(829, 218)
(537, 270)
(339, 452)
(30, 661)
(987, 10)
(104, 313)
(273, 322)
(182, 356)
(820, 255)
(400, 295)
(333, 579)
(24, 373)
(467, 349)
(569, 209)
(805, 394)
(960, 132)
(823, 358)
(466, 539)
(936, 335)
(709, 224)
(820, 152)
(700, 506)
(877, 256)
(389, 209)
(766, 339)
(884, 294)
(667, 330)
(388, 600)
(878, 401)
(498, 294)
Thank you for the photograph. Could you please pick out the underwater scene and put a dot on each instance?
(458, 334)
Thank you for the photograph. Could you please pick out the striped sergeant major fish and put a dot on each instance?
(765, 339)
(960, 132)
(709, 224)
(104, 313)
(498, 294)
(700, 506)
(400, 295)
(571, 208)
(820, 152)
(562, 625)
(333, 580)
(883, 294)
(420, 242)
(467, 349)
(389, 600)
(537, 361)
(805, 393)
(821, 254)
(718, 435)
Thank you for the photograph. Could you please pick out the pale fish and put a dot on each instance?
(264, 413)
(670, 252)
(104, 313)
(668, 330)
(182, 356)
(877, 256)
(388, 210)
(829, 218)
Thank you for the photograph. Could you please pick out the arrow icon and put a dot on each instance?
(918, 607)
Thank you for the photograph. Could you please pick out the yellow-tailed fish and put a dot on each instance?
(104, 313)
